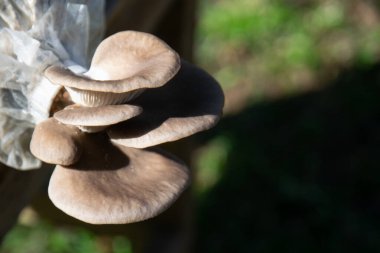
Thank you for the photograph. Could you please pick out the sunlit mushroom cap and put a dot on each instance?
(56, 143)
(191, 102)
(123, 63)
(113, 184)
(94, 119)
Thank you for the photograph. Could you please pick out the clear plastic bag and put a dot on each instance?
(33, 35)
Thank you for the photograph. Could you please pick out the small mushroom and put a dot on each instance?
(95, 119)
(56, 143)
(191, 102)
(123, 66)
(113, 184)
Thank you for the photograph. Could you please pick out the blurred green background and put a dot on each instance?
(293, 165)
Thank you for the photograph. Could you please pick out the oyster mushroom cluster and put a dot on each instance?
(136, 94)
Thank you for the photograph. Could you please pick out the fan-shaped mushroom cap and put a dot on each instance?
(56, 143)
(125, 63)
(191, 102)
(94, 119)
(115, 184)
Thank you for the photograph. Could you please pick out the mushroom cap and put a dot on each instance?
(191, 102)
(96, 116)
(123, 62)
(113, 184)
(97, 98)
(56, 143)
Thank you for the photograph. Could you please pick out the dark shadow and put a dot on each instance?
(302, 174)
(100, 154)
(17, 188)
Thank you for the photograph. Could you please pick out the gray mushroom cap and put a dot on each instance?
(96, 116)
(191, 102)
(56, 143)
(113, 184)
(123, 63)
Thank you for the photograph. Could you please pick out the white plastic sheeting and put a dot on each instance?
(33, 35)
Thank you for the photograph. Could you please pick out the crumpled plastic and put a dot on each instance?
(33, 35)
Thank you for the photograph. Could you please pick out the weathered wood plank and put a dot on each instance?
(171, 20)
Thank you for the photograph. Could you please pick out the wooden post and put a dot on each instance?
(171, 20)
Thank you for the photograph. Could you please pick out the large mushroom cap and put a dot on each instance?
(123, 62)
(191, 102)
(56, 143)
(112, 184)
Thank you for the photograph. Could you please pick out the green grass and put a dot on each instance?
(43, 237)
(281, 45)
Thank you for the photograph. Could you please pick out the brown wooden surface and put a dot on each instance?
(171, 20)
(142, 15)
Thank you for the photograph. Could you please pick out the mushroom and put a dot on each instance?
(113, 184)
(189, 103)
(113, 178)
(96, 119)
(123, 66)
(53, 142)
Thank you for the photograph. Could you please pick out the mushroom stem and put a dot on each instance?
(42, 99)
(74, 67)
